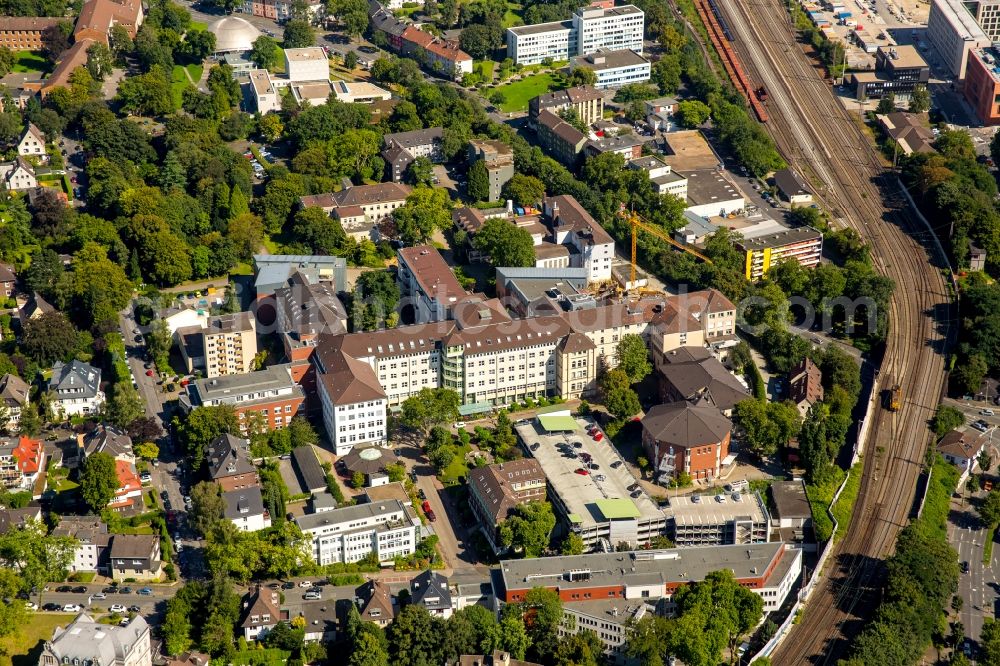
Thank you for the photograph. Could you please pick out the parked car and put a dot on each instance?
(51, 607)
(431, 516)
(305, 583)
(134, 609)
(581, 471)
(146, 591)
(459, 425)
(71, 608)
(64, 588)
(118, 608)
(312, 595)
(421, 494)
(125, 590)
(289, 585)
(80, 589)
(598, 436)
(616, 464)
(987, 412)
(31, 605)
(100, 596)
(146, 477)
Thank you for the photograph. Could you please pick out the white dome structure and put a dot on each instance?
(233, 34)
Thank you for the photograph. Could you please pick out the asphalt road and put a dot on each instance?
(978, 588)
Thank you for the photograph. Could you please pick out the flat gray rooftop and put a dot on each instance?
(710, 510)
(540, 28)
(582, 493)
(641, 567)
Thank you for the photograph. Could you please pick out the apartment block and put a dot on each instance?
(360, 207)
(92, 537)
(495, 490)
(276, 10)
(499, 161)
(804, 244)
(225, 346)
(532, 44)
(400, 149)
(352, 533)
(22, 460)
(24, 33)
(586, 101)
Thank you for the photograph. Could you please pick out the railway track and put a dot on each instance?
(825, 142)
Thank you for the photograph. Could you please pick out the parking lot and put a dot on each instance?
(579, 481)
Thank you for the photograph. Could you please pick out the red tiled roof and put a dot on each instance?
(29, 454)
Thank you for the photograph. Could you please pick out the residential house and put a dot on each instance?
(278, 10)
(591, 246)
(361, 207)
(189, 658)
(693, 374)
(135, 556)
(376, 603)
(910, 132)
(77, 388)
(260, 613)
(229, 465)
(8, 280)
(18, 176)
(32, 143)
(86, 641)
(430, 590)
(106, 438)
(16, 519)
(561, 139)
(441, 56)
(14, 393)
(183, 317)
(128, 495)
(805, 385)
(400, 149)
(22, 463)
(91, 534)
(495, 490)
(34, 308)
(245, 509)
(962, 447)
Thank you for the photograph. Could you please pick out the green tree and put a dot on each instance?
(35, 555)
(572, 544)
(989, 509)
(582, 76)
(542, 613)
(920, 100)
(989, 643)
(633, 358)
(374, 301)
(886, 105)
(649, 640)
(99, 61)
(429, 407)
(524, 190)
(298, 34)
(351, 60)
(528, 528)
(13, 613)
(358, 480)
(946, 419)
(270, 127)
(714, 614)
(125, 405)
(968, 375)
(414, 637)
(584, 648)
(479, 182)
(353, 14)
(367, 650)
(147, 451)
(420, 171)
(619, 398)
(264, 53)
(30, 423)
(98, 480)
(7, 60)
(201, 426)
(691, 113)
(207, 506)
(49, 338)
(146, 94)
(507, 245)
(480, 40)
(426, 209)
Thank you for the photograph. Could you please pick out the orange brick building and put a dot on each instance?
(24, 33)
(982, 84)
(685, 437)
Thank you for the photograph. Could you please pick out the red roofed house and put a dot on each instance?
(129, 493)
(437, 54)
(98, 16)
(684, 437)
(21, 461)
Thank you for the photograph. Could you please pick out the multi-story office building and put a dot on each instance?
(606, 592)
(982, 84)
(665, 180)
(955, 32)
(532, 44)
(272, 394)
(352, 533)
(428, 284)
(353, 401)
(590, 29)
(898, 70)
(614, 69)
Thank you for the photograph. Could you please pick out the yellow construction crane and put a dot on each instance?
(637, 222)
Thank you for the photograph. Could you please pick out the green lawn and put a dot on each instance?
(31, 61)
(179, 80)
(519, 92)
(24, 647)
(512, 16)
(485, 69)
(198, 25)
(457, 468)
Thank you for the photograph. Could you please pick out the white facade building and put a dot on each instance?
(263, 93)
(77, 387)
(614, 69)
(589, 30)
(350, 534)
(32, 142)
(954, 32)
(307, 64)
(245, 509)
(354, 403)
